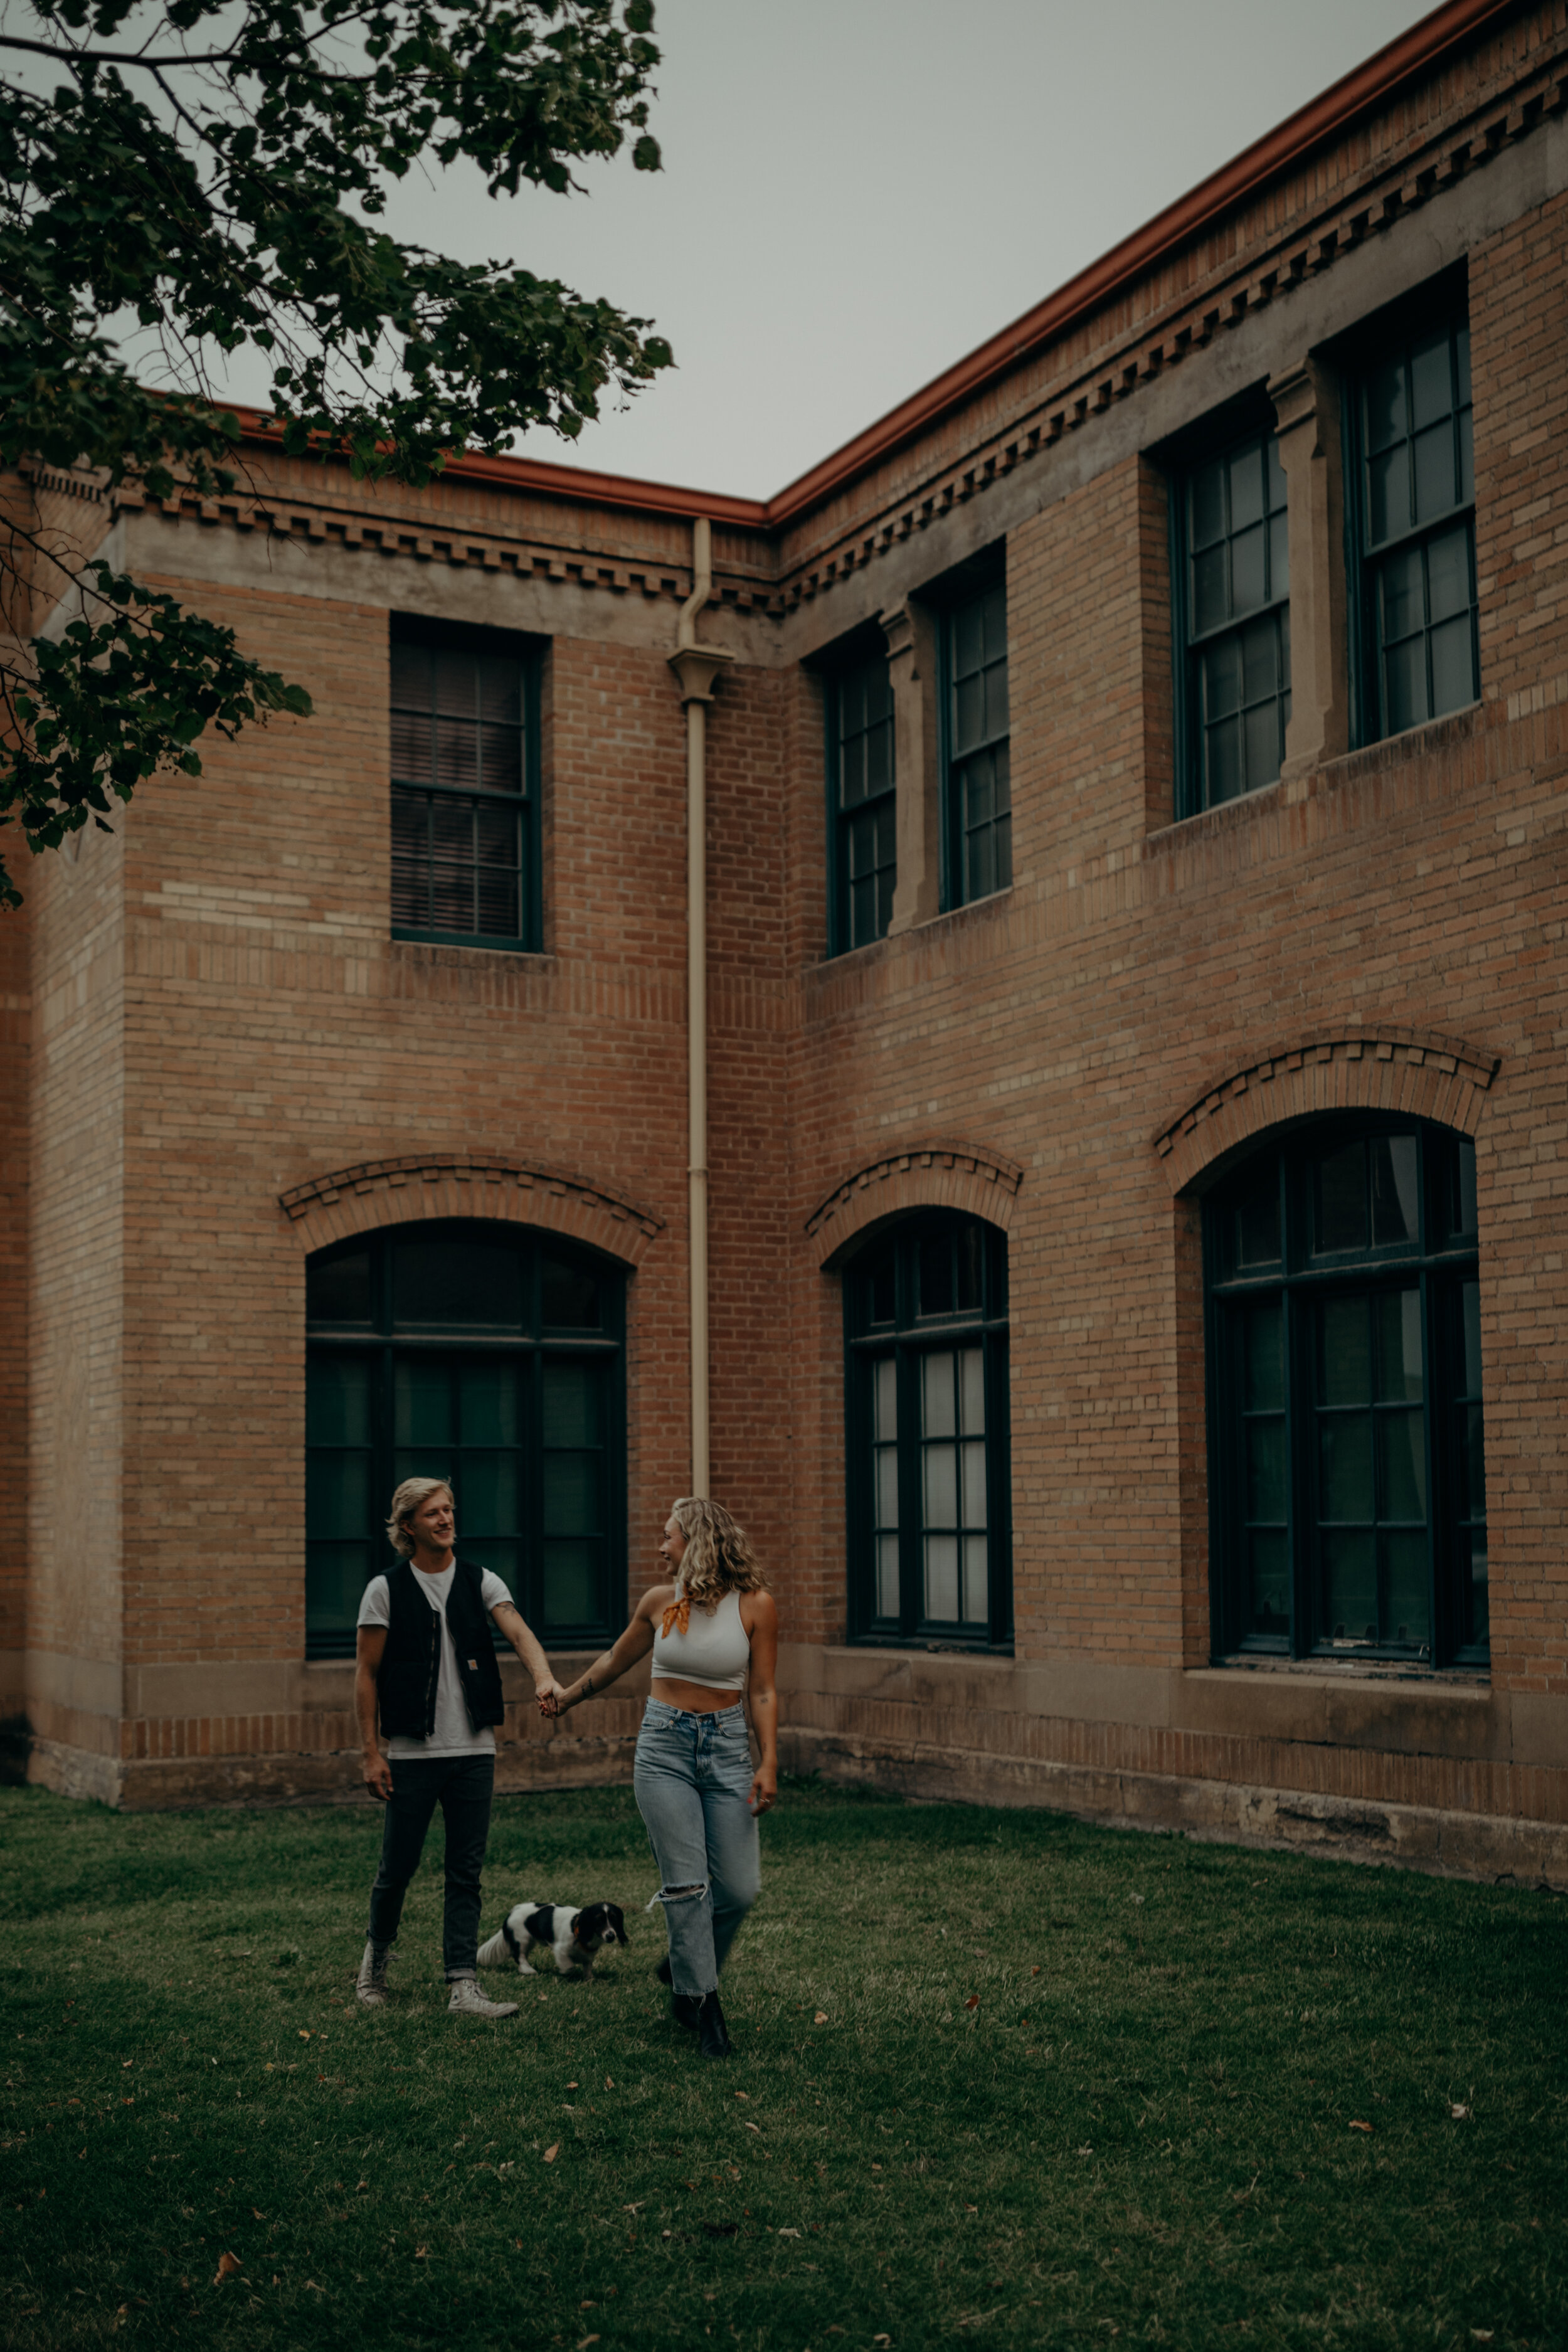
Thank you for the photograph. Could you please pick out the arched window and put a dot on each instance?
(929, 1537)
(1346, 1472)
(488, 1355)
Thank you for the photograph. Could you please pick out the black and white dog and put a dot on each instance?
(574, 1936)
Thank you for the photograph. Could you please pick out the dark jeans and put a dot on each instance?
(462, 1786)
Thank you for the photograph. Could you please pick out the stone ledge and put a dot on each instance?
(1447, 1844)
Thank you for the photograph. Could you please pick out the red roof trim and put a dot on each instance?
(1355, 94)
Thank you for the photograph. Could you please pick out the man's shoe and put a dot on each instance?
(662, 1971)
(369, 1985)
(714, 2033)
(468, 2001)
(687, 2011)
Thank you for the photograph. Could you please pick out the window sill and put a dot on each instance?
(464, 941)
(899, 1645)
(1352, 1670)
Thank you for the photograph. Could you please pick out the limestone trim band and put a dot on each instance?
(475, 1184)
(934, 1175)
(1392, 1069)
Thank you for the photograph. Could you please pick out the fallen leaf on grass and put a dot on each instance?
(1357, 2126)
(973, 2002)
(609, 2084)
(1035, 1969)
(1458, 2114)
(227, 2266)
(1482, 2334)
(303, 2035)
(257, 2214)
(551, 2153)
(419, 2253)
(881, 2339)
(587, 2341)
(794, 2233)
(821, 2018)
(574, 2086)
(751, 2127)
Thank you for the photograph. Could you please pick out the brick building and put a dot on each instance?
(1135, 996)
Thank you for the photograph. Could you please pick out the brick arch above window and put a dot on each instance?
(926, 1176)
(1404, 1073)
(379, 1192)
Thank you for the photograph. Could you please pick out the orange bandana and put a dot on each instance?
(678, 1614)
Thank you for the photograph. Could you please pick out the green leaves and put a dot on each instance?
(127, 687)
(221, 185)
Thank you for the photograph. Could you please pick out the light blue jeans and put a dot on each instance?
(693, 1785)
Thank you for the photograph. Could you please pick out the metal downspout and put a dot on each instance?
(696, 666)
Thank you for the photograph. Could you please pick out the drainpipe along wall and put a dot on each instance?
(696, 666)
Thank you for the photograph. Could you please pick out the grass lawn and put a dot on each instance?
(1001, 2078)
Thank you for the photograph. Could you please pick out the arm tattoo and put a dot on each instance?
(587, 1686)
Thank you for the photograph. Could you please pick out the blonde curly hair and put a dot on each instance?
(718, 1557)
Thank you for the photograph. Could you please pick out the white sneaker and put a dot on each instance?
(369, 1985)
(468, 2001)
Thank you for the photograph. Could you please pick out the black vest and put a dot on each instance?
(411, 1662)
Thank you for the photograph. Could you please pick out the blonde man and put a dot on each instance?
(427, 1664)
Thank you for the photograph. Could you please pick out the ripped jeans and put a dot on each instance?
(693, 1786)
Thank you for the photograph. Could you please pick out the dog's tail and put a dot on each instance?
(495, 1955)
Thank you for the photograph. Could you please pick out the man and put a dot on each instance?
(425, 1660)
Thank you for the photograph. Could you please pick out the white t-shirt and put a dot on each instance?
(453, 1734)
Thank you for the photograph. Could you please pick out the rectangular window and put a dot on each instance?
(863, 846)
(977, 787)
(465, 794)
(1413, 519)
(926, 1322)
(1348, 1487)
(1233, 612)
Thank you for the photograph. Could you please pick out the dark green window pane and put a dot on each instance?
(1266, 1469)
(1470, 1314)
(1344, 1466)
(428, 1462)
(502, 1559)
(1473, 1465)
(1406, 1577)
(1401, 1372)
(488, 1404)
(488, 1485)
(880, 1287)
(1345, 1369)
(337, 1401)
(970, 1256)
(572, 1584)
(336, 1575)
(1342, 1198)
(1405, 685)
(337, 1289)
(1208, 504)
(337, 1495)
(1401, 1465)
(454, 1285)
(1396, 1189)
(1211, 604)
(936, 1275)
(572, 1404)
(570, 1295)
(1350, 1585)
(1268, 1565)
(422, 1405)
(572, 1505)
(1263, 1329)
(1258, 1222)
(1387, 415)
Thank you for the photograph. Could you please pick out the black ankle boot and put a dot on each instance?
(715, 2034)
(688, 2010)
(662, 1971)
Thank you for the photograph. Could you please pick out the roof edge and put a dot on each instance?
(1311, 126)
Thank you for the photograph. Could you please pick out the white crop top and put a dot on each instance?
(713, 1652)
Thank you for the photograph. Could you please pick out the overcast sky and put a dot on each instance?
(856, 193)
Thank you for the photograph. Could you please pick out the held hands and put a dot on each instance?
(554, 1699)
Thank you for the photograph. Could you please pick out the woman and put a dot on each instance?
(710, 1630)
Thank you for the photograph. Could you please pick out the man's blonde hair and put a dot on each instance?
(405, 1503)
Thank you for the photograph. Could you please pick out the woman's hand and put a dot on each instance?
(551, 1698)
(764, 1788)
